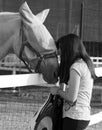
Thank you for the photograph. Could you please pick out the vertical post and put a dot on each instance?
(81, 20)
(3, 5)
(68, 14)
(14, 70)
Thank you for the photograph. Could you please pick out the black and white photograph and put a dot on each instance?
(50, 64)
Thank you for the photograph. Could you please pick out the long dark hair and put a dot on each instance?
(72, 49)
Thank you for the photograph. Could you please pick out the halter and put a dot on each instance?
(40, 57)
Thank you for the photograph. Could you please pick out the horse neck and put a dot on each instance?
(9, 30)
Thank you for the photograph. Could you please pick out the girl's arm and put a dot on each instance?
(74, 82)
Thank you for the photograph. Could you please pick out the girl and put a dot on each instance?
(77, 72)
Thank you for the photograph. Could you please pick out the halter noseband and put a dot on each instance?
(39, 56)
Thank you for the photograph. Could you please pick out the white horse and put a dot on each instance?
(24, 34)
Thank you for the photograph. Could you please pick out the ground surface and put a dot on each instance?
(17, 109)
(18, 116)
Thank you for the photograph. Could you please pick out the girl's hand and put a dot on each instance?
(54, 90)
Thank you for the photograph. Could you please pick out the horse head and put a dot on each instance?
(39, 49)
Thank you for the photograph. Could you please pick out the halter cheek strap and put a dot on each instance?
(26, 63)
(20, 56)
(26, 44)
(22, 48)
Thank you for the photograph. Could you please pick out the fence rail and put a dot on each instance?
(97, 61)
(33, 79)
(14, 64)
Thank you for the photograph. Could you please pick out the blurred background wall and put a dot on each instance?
(82, 17)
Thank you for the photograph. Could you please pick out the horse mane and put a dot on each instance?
(7, 16)
(8, 13)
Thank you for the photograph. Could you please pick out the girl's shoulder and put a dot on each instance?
(79, 63)
(80, 66)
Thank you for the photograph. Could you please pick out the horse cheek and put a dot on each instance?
(34, 64)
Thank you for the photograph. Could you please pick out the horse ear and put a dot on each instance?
(42, 15)
(26, 12)
(37, 34)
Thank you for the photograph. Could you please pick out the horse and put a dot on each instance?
(24, 34)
